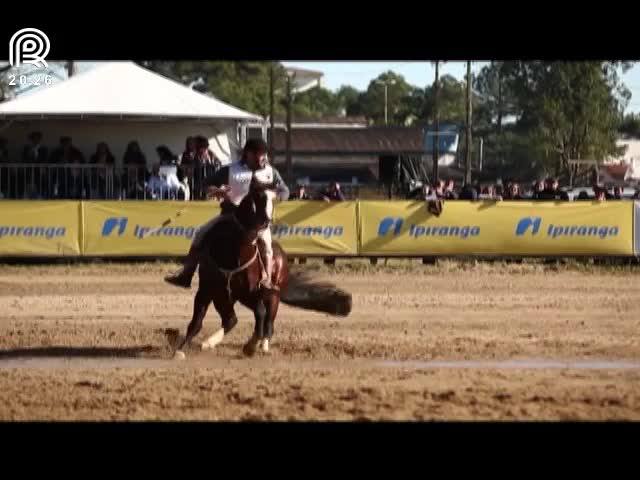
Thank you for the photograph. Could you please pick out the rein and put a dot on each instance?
(228, 274)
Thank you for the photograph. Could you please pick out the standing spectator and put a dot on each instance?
(205, 166)
(135, 170)
(601, 194)
(468, 192)
(538, 188)
(188, 157)
(332, 193)
(103, 161)
(449, 191)
(300, 193)
(29, 178)
(71, 182)
(617, 193)
(513, 192)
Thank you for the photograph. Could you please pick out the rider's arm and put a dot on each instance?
(220, 178)
(281, 187)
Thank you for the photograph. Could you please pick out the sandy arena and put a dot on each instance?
(459, 341)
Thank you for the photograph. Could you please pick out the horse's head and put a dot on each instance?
(253, 212)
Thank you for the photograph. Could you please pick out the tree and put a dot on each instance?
(571, 109)
(350, 100)
(398, 93)
(630, 125)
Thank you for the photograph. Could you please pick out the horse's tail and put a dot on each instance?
(305, 292)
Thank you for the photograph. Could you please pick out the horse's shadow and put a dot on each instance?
(146, 351)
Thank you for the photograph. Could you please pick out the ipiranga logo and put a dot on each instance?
(556, 231)
(118, 225)
(394, 224)
(47, 232)
(328, 231)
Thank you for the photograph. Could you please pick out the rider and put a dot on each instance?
(232, 183)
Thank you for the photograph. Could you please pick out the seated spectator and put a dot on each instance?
(135, 171)
(300, 193)
(449, 191)
(438, 188)
(332, 193)
(617, 193)
(205, 164)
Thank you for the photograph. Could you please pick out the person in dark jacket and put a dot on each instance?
(332, 193)
(300, 193)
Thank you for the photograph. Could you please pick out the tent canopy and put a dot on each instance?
(125, 90)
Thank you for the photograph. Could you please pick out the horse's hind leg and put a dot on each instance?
(260, 314)
(272, 303)
(200, 307)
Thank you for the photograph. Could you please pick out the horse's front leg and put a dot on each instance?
(200, 307)
(224, 307)
(260, 315)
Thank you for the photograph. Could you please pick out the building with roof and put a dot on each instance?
(117, 102)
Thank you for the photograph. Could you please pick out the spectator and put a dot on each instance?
(513, 192)
(583, 195)
(468, 192)
(135, 170)
(166, 156)
(438, 188)
(552, 192)
(601, 194)
(538, 188)
(449, 191)
(157, 186)
(300, 193)
(205, 166)
(188, 157)
(104, 161)
(332, 193)
(489, 193)
(636, 196)
(4, 151)
(33, 152)
(72, 182)
(617, 193)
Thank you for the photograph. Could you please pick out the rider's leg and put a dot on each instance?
(182, 278)
(264, 243)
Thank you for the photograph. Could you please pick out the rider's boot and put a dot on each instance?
(266, 280)
(182, 278)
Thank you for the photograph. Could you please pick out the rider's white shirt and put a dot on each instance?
(240, 181)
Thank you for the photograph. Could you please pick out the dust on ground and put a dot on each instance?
(89, 342)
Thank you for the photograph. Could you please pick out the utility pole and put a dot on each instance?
(467, 174)
(70, 68)
(436, 153)
(289, 106)
(386, 84)
(272, 107)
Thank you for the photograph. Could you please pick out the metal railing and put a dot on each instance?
(20, 181)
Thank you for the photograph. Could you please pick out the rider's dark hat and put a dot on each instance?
(255, 145)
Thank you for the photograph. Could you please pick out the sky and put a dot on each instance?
(359, 74)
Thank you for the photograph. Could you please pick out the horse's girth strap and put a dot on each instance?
(229, 273)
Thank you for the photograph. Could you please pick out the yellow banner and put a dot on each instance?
(316, 228)
(34, 228)
(119, 227)
(500, 228)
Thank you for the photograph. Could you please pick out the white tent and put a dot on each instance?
(117, 102)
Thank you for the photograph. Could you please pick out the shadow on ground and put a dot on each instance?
(86, 352)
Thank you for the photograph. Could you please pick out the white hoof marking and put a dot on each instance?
(265, 345)
(215, 339)
(179, 355)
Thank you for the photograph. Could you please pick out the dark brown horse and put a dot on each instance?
(231, 268)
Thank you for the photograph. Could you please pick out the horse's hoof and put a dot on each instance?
(179, 355)
(249, 350)
(264, 346)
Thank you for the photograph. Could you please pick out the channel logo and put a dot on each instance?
(110, 225)
(525, 223)
(389, 223)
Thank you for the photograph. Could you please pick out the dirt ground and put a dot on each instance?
(87, 342)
